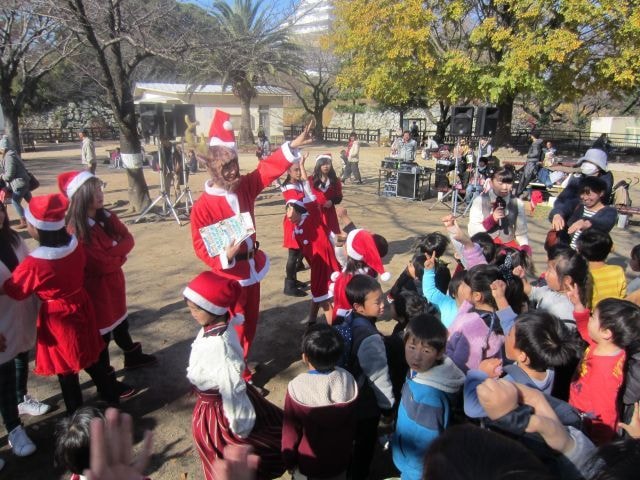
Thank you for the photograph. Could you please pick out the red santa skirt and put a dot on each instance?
(67, 335)
(211, 433)
(288, 239)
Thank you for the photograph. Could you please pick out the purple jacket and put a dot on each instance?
(469, 335)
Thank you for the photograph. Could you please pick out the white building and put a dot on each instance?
(266, 107)
(312, 17)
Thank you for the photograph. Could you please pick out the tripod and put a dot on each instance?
(164, 196)
(452, 194)
(476, 190)
(186, 192)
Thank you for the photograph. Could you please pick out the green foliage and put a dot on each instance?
(489, 51)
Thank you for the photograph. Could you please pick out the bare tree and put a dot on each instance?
(31, 45)
(118, 36)
(315, 85)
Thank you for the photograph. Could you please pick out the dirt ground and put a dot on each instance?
(163, 262)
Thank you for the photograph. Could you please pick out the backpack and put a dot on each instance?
(353, 330)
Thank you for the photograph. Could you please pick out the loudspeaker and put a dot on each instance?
(407, 185)
(461, 121)
(149, 120)
(486, 121)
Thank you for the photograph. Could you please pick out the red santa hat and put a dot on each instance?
(213, 293)
(297, 203)
(46, 212)
(221, 130)
(361, 246)
(70, 182)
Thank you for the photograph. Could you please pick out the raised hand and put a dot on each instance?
(306, 137)
(430, 262)
(111, 455)
(573, 294)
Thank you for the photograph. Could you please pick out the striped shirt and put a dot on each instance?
(585, 215)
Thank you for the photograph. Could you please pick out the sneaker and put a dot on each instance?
(20, 443)
(32, 407)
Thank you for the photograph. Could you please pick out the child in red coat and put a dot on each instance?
(327, 188)
(292, 189)
(68, 339)
(107, 242)
(316, 243)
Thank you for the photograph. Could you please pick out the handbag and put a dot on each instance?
(33, 182)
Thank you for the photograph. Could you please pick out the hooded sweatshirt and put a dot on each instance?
(424, 413)
(319, 423)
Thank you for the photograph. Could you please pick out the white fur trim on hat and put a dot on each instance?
(42, 224)
(215, 141)
(349, 244)
(324, 156)
(77, 182)
(203, 303)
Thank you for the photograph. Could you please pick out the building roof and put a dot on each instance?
(183, 88)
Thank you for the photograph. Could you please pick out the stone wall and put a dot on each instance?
(374, 119)
(73, 116)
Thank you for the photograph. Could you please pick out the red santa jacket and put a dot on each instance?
(216, 204)
(290, 191)
(331, 191)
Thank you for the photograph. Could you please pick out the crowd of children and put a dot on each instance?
(490, 367)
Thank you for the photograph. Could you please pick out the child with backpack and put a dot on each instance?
(319, 409)
(366, 359)
(427, 395)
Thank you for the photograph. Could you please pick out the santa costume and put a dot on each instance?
(325, 192)
(360, 246)
(316, 244)
(107, 245)
(250, 265)
(68, 339)
(228, 411)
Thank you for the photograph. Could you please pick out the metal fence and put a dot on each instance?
(31, 136)
(368, 135)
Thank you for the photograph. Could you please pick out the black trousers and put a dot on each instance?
(121, 336)
(105, 384)
(364, 447)
(295, 257)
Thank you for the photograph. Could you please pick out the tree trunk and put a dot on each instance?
(353, 116)
(401, 112)
(11, 126)
(505, 114)
(138, 191)
(245, 136)
(318, 132)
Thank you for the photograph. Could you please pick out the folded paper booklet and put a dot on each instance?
(218, 236)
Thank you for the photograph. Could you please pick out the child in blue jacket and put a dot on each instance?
(425, 406)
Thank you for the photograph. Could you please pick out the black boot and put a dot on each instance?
(302, 285)
(291, 290)
(134, 358)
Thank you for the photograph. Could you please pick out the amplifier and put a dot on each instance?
(407, 185)
(441, 176)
